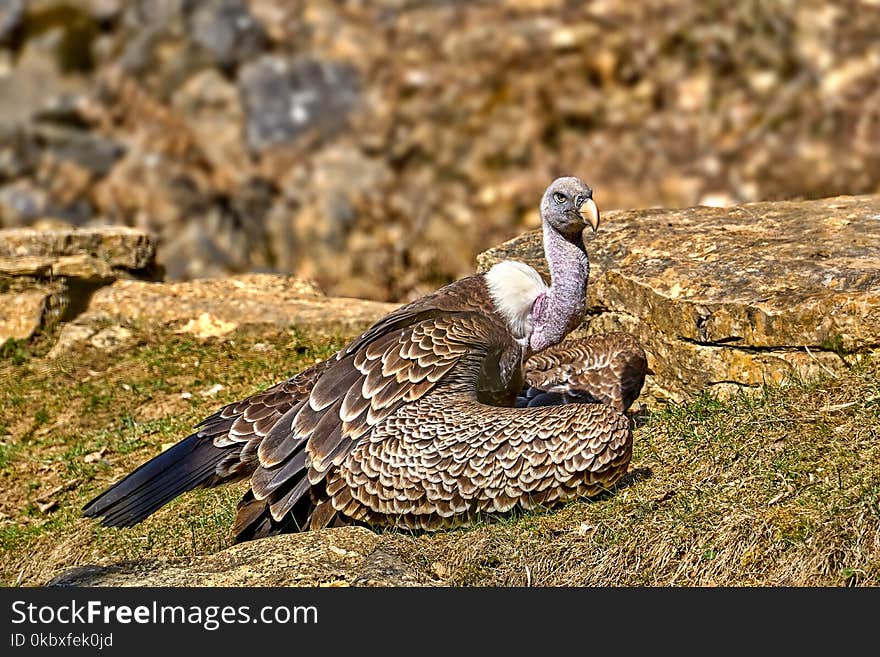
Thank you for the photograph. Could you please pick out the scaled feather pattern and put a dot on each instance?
(435, 416)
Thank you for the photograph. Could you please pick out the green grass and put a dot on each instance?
(121, 408)
(14, 351)
(777, 487)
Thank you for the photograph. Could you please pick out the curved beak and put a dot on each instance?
(590, 212)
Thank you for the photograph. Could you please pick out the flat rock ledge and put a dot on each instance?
(726, 298)
(99, 282)
(214, 307)
(344, 556)
(48, 275)
(113, 247)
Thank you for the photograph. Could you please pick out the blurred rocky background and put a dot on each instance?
(377, 147)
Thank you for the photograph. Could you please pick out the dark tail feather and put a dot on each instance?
(255, 521)
(189, 464)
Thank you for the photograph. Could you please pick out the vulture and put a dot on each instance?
(458, 405)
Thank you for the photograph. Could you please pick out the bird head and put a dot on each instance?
(568, 206)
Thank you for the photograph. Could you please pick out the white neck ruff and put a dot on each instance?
(514, 286)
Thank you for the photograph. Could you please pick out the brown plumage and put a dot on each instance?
(433, 416)
(610, 368)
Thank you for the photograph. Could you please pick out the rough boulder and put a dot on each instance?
(735, 297)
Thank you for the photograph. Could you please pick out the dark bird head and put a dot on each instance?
(568, 206)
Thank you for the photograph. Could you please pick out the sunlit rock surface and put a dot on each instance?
(49, 275)
(215, 307)
(733, 297)
(346, 556)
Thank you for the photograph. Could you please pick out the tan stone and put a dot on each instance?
(46, 271)
(741, 295)
(69, 336)
(207, 326)
(345, 556)
(82, 266)
(30, 266)
(214, 307)
(110, 337)
(117, 246)
(24, 313)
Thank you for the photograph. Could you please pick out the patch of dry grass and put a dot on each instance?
(778, 488)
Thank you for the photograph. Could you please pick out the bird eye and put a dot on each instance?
(559, 198)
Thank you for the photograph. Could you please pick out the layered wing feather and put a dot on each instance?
(448, 458)
(222, 449)
(356, 393)
(287, 436)
(608, 368)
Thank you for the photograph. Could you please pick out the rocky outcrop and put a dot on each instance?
(100, 282)
(215, 307)
(346, 556)
(24, 312)
(111, 250)
(727, 298)
(721, 299)
(49, 275)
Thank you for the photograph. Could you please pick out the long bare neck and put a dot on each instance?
(565, 303)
